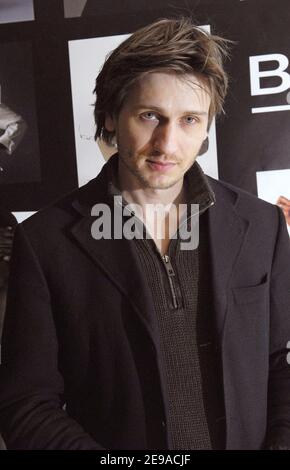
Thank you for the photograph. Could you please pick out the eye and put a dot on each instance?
(190, 119)
(149, 116)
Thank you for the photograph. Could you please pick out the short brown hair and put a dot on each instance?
(176, 45)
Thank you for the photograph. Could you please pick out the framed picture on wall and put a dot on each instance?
(12, 11)
(19, 140)
(274, 187)
(73, 8)
(37, 158)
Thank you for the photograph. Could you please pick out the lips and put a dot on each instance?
(161, 166)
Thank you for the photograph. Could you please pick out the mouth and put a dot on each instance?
(160, 166)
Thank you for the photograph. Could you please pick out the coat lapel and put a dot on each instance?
(227, 232)
(115, 257)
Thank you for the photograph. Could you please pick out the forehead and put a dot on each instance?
(169, 90)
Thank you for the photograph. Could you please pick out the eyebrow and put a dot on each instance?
(161, 110)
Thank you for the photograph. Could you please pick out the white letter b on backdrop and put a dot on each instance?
(280, 71)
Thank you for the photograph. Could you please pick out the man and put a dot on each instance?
(151, 342)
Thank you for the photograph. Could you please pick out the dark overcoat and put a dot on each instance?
(81, 355)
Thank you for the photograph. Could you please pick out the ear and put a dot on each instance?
(110, 123)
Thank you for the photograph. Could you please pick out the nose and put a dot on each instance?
(164, 138)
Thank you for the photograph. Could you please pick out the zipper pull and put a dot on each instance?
(171, 274)
(168, 265)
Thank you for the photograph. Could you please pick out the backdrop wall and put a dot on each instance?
(68, 40)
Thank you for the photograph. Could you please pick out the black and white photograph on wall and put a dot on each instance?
(274, 187)
(19, 145)
(91, 156)
(12, 11)
(73, 8)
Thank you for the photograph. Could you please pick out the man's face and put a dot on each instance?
(160, 128)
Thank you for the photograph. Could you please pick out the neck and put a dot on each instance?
(161, 209)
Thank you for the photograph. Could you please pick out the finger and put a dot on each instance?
(5, 248)
(5, 243)
(5, 251)
(284, 199)
(6, 237)
(286, 214)
(7, 233)
(9, 228)
(284, 205)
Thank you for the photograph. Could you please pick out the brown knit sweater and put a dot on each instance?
(186, 329)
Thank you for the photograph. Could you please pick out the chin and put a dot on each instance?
(160, 184)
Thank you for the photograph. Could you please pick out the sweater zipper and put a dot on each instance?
(168, 265)
(170, 275)
(169, 268)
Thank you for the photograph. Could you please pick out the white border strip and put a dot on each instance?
(271, 109)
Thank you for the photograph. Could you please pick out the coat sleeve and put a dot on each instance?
(278, 423)
(31, 386)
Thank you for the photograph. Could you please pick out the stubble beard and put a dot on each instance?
(143, 180)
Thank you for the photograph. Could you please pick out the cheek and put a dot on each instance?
(188, 149)
(189, 141)
(195, 139)
(139, 133)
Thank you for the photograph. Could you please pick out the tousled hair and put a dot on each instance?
(170, 45)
